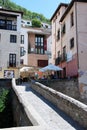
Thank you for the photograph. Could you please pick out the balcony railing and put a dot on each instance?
(60, 59)
(63, 57)
(15, 64)
(9, 27)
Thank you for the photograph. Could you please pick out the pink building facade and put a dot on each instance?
(69, 41)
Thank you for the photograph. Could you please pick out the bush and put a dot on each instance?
(3, 97)
(36, 23)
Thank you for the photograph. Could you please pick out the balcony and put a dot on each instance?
(58, 60)
(9, 27)
(12, 64)
(63, 57)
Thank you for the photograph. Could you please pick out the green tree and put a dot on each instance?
(36, 23)
(28, 15)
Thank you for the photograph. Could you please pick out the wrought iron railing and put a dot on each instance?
(62, 58)
(9, 27)
(12, 64)
(58, 60)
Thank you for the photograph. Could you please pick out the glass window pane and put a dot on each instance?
(42, 39)
(38, 39)
(41, 51)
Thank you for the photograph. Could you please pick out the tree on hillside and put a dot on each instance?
(28, 15)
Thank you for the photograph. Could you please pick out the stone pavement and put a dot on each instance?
(52, 116)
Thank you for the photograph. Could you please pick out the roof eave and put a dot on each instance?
(69, 7)
(61, 4)
(3, 9)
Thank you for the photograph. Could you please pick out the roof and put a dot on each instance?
(39, 31)
(69, 7)
(14, 11)
(61, 4)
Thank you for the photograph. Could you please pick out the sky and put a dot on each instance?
(45, 7)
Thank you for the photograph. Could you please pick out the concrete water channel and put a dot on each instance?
(32, 111)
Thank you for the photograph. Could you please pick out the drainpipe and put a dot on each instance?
(61, 43)
(61, 39)
(76, 35)
(55, 39)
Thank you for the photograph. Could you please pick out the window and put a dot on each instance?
(21, 51)
(63, 29)
(58, 53)
(58, 35)
(72, 19)
(46, 26)
(28, 22)
(22, 39)
(64, 50)
(64, 54)
(22, 22)
(13, 38)
(42, 63)
(21, 61)
(2, 24)
(39, 44)
(58, 58)
(9, 25)
(12, 60)
(71, 43)
(0, 37)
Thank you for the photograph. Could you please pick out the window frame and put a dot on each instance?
(21, 51)
(13, 38)
(0, 37)
(72, 43)
(39, 44)
(21, 61)
(72, 19)
(58, 34)
(12, 60)
(22, 39)
(63, 29)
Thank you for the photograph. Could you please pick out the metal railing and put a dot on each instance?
(58, 60)
(62, 58)
(15, 64)
(9, 27)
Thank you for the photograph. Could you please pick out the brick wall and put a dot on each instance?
(33, 59)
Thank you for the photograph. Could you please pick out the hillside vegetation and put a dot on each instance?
(28, 15)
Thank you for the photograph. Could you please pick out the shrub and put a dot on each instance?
(3, 97)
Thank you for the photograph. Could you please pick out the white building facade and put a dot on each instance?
(10, 27)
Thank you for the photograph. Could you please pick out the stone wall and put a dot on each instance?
(74, 108)
(5, 83)
(19, 114)
(68, 87)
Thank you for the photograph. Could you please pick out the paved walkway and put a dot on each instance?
(54, 117)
